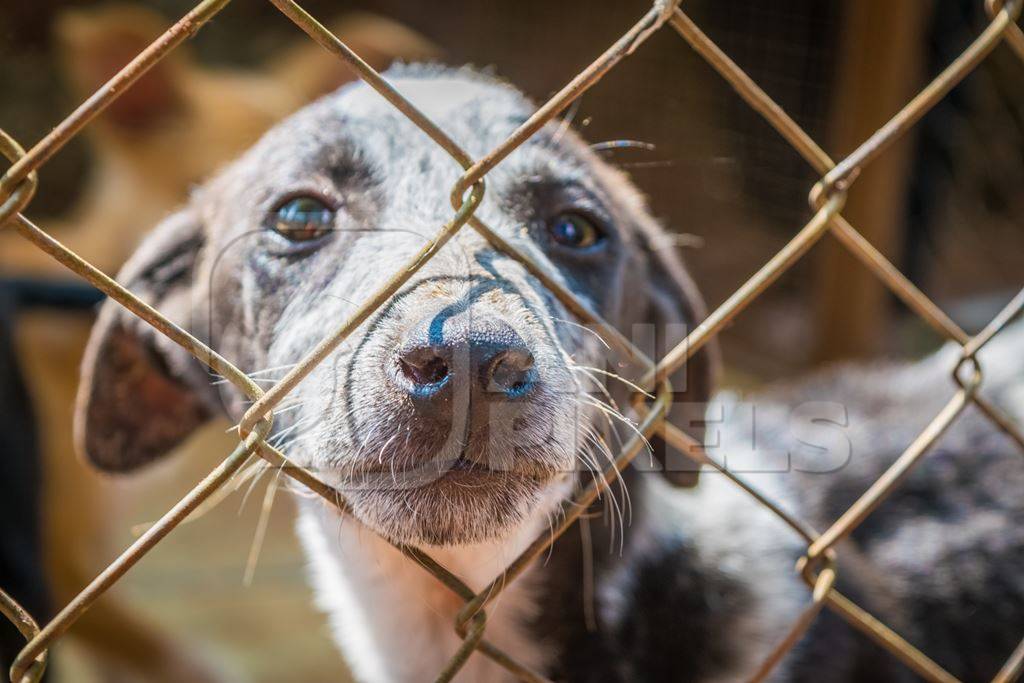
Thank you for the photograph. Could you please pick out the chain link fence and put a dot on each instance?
(818, 565)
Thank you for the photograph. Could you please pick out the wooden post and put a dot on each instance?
(878, 71)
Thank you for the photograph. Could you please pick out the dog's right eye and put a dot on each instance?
(302, 219)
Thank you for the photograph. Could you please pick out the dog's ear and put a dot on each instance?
(674, 308)
(140, 393)
(96, 43)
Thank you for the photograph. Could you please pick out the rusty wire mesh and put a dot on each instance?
(818, 565)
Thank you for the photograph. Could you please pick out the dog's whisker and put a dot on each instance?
(284, 406)
(298, 439)
(588, 461)
(384, 447)
(261, 529)
(550, 518)
(663, 163)
(275, 368)
(627, 499)
(589, 374)
(281, 435)
(289, 407)
(616, 376)
(219, 379)
(259, 469)
(613, 413)
(594, 437)
(618, 511)
(585, 328)
(215, 499)
(623, 144)
(566, 122)
(269, 381)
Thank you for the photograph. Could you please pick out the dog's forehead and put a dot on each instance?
(454, 99)
(477, 112)
(354, 139)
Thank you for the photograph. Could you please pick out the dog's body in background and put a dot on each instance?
(704, 584)
(947, 544)
(459, 416)
(179, 123)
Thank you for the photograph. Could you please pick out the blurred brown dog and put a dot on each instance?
(172, 128)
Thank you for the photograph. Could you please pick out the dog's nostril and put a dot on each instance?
(474, 359)
(424, 366)
(510, 372)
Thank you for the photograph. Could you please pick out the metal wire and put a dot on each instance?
(818, 566)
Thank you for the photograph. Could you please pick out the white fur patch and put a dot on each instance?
(394, 621)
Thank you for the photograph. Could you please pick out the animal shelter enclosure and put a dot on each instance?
(655, 394)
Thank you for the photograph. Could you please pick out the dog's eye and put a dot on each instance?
(302, 219)
(575, 230)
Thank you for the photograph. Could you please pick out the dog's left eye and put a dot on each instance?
(575, 230)
(302, 219)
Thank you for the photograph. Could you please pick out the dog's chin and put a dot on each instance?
(464, 506)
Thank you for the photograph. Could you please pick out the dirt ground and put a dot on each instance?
(192, 584)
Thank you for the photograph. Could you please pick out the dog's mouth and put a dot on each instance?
(461, 501)
(518, 444)
(420, 481)
(464, 464)
(463, 470)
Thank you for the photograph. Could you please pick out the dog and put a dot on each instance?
(199, 117)
(460, 416)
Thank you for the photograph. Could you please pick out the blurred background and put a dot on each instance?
(945, 205)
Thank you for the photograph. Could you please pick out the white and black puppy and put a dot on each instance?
(463, 413)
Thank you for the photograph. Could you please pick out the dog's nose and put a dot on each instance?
(464, 352)
(424, 366)
(508, 371)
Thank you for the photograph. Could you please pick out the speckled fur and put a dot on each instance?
(699, 586)
(946, 547)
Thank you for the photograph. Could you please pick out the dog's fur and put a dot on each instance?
(701, 584)
(178, 124)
